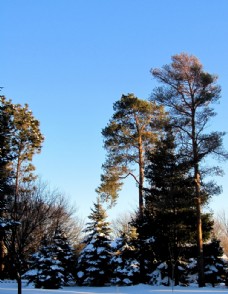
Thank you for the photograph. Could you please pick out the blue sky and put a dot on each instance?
(70, 60)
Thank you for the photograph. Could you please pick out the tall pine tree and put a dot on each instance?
(134, 128)
(188, 93)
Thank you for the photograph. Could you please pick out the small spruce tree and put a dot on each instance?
(46, 270)
(65, 254)
(125, 259)
(94, 260)
(52, 266)
(215, 266)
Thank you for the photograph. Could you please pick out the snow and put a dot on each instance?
(92, 269)
(119, 260)
(89, 247)
(80, 274)
(100, 250)
(56, 267)
(10, 287)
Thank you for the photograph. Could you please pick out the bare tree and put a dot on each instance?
(221, 229)
(41, 211)
(121, 224)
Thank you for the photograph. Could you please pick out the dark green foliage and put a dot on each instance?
(65, 254)
(6, 156)
(125, 263)
(53, 265)
(169, 200)
(215, 266)
(184, 270)
(6, 177)
(46, 270)
(170, 214)
(145, 245)
(169, 273)
(94, 260)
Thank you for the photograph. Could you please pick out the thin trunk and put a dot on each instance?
(16, 200)
(17, 180)
(141, 180)
(141, 170)
(141, 208)
(19, 284)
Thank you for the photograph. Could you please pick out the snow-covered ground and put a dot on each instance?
(10, 287)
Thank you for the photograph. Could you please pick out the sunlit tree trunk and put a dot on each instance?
(197, 184)
(141, 167)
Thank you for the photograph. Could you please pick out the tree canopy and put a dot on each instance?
(133, 129)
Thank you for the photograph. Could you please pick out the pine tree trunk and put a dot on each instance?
(141, 177)
(141, 206)
(200, 261)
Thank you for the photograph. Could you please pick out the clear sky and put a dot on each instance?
(70, 60)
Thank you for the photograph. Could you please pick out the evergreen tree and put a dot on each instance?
(125, 261)
(144, 245)
(133, 129)
(188, 92)
(20, 139)
(170, 213)
(94, 260)
(6, 179)
(65, 254)
(215, 265)
(46, 270)
(52, 266)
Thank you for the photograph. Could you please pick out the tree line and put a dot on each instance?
(29, 209)
(163, 145)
